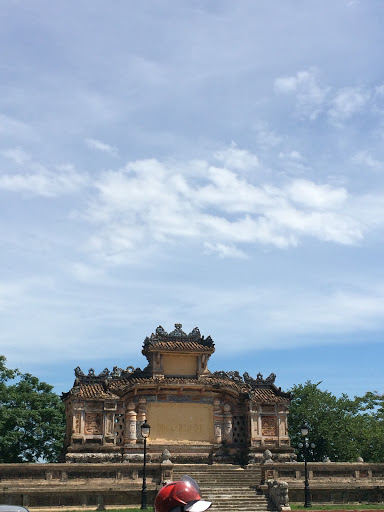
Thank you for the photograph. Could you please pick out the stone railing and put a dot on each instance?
(70, 485)
(335, 482)
(294, 471)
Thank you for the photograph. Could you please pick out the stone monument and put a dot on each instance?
(195, 414)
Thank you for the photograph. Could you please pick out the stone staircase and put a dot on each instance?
(229, 487)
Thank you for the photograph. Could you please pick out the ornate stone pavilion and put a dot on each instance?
(198, 415)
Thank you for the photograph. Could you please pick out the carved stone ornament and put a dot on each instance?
(161, 335)
(93, 423)
(267, 456)
(116, 373)
(165, 457)
(268, 426)
(246, 378)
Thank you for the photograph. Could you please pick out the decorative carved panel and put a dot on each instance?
(239, 430)
(93, 423)
(76, 429)
(119, 428)
(268, 426)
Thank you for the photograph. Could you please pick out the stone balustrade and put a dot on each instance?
(333, 482)
(71, 485)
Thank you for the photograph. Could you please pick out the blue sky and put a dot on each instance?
(217, 164)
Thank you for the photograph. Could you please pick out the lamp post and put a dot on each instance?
(145, 430)
(305, 446)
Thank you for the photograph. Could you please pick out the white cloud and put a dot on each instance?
(39, 181)
(346, 103)
(224, 250)
(17, 155)
(238, 159)
(312, 99)
(150, 202)
(291, 155)
(366, 159)
(316, 196)
(310, 96)
(12, 127)
(265, 137)
(98, 145)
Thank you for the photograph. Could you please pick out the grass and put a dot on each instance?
(339, 506)
(294, 506)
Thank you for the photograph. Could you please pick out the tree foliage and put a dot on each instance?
(32, 418)
(342, 428)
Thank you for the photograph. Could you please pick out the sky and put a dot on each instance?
(217, 164)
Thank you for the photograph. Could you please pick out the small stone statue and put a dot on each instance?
(165, 457)
(267, 457)
(278, 493)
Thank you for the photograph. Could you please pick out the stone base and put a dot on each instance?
(180, 454)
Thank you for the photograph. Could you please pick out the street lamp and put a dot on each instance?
(145, 430)
(304, 432)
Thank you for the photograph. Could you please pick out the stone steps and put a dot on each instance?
(229, 487)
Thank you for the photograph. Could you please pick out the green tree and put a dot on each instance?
(32, 418)
(341, 428)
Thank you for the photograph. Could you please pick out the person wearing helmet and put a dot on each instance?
(181, 496)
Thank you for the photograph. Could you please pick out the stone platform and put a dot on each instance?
(230, 487)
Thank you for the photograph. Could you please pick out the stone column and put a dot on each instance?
(259, 423)
(255, 433)
(217, 421)
(281, 425)
(76, 422)
(130, 424)
(141, 416)
(228, 430)
(108, 423)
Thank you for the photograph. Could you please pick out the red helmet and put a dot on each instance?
(183, 495)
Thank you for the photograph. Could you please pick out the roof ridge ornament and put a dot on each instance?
(116, 374)
(178, 331)
(161, 335)
(234, 376)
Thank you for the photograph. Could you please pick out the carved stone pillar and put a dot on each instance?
(259, 421)
(217, 421)
(76, 422)
(255, 433)
(141, 416)
(228, 430)
(108, 424)
(130, 424)
(282, 427)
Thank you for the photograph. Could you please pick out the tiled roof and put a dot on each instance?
(178, 341)
(93, 391)
(117, 388)
(268, 396)
(180, 346)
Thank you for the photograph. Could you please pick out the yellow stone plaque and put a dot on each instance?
(175, 422)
